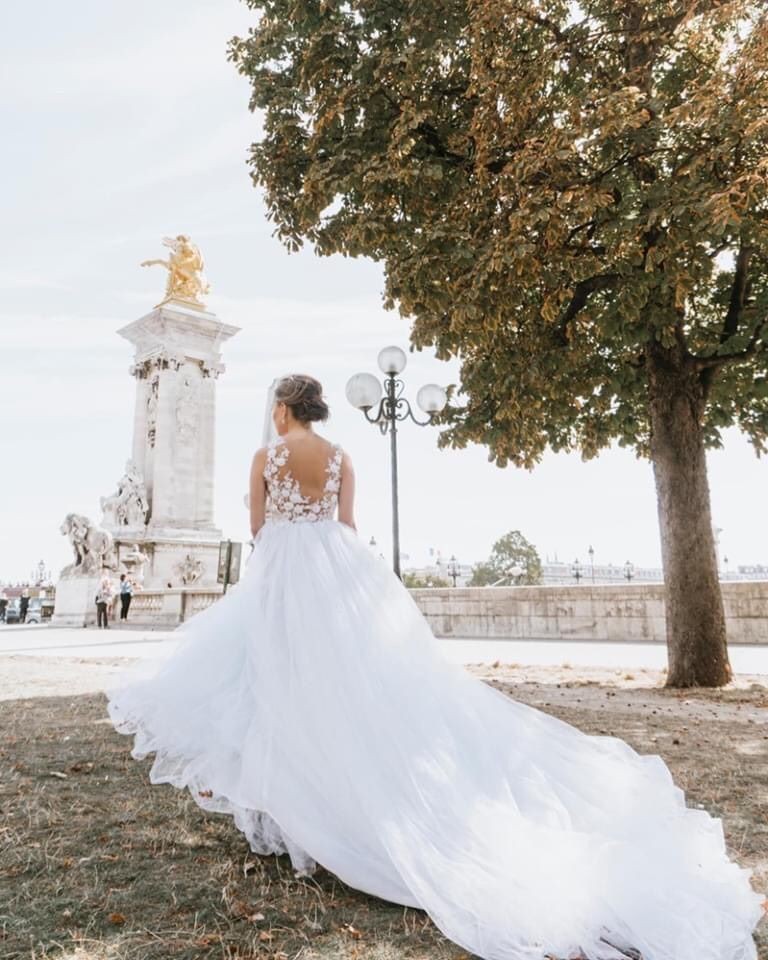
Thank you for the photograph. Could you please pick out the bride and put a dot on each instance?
(313, 705)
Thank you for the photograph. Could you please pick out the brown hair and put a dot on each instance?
(303, 395)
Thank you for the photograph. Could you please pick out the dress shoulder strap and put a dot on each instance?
(277, 455)
(333, 482)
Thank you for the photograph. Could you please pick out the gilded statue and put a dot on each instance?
(185, 271)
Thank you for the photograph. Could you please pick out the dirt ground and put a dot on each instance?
(96, 864)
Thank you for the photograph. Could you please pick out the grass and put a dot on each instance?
(97, 864)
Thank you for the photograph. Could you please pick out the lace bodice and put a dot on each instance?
(285, 501)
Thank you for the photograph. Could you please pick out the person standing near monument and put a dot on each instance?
(103, 599)
(23, 605)
(126, 592)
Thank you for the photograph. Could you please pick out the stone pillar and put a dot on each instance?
(176, 365)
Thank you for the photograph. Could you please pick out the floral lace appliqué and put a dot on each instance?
(285, 500)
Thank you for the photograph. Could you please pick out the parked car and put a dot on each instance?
(12, 611)
(39, 610)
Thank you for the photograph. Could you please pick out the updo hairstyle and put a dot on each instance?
(303, 395)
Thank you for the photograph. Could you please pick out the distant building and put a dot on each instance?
(565, 574)
(443, 569)
(605, 573)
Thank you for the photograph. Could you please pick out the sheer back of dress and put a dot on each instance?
(302, 484)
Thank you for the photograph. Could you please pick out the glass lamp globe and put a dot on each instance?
(392, 360)
(363, 391)
(431, 398)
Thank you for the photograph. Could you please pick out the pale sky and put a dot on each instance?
(122, 123)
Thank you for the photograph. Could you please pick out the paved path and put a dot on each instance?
(91, 643)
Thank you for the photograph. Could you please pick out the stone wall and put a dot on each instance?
(632, 612)
(167, 608)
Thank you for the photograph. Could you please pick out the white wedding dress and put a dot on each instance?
(314, 706)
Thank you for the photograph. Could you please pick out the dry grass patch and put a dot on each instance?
(97, 864)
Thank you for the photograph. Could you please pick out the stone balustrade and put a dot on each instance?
(169, 607)
(631, 612)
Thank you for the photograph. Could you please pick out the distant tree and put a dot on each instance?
(414, 581)
(570, 197)
(509, 552)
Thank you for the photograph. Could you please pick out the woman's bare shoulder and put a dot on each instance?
(259, 458)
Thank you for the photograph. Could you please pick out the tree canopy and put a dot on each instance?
(511, 551)
(549, 186)
(571, 198)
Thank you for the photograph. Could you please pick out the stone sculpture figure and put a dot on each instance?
(129, 506)
(190, 570)
(185, 271)
(133, 561)
(186, 409)
(154, 388)
(93, 548)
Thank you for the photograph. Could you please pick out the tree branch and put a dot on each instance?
(581, 295)
(739, 290)
(709, 364)
(738, 293)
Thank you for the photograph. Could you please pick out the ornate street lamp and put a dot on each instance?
(453, 569)
(516, 572)
(576, 571)
(629, 571)
(365, 393)
(591, 553)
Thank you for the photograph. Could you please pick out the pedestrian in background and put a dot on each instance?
(103, 599)
(23, 605)
(126, 592)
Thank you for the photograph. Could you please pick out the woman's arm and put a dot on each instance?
(347, 493)
(257, 490)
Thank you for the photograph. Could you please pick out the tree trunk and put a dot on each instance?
(696, 641)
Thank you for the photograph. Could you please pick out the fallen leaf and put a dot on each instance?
(116, 918)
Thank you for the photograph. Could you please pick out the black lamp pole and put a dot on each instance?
(364, 392)
(394, 407)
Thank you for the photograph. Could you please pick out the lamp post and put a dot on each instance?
(591, 553)
(576, 571)
(516, 572)
(629, 571)
(453, 569)
(364, 391)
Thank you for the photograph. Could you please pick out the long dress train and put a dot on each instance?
(313, 705)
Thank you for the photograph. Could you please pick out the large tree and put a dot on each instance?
(571, 198)
(510, 552)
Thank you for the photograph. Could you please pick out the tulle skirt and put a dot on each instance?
(314, 706)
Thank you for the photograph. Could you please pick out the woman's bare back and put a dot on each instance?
(307, 462)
